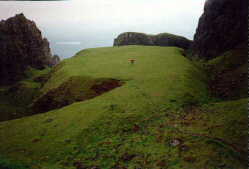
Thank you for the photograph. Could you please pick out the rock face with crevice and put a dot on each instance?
(55, 60)
(21, 46)
(163, 39)
(222, 27)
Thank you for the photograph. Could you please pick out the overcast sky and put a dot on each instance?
(77, 24)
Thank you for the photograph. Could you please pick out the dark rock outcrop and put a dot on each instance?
(222, 26)
(221, 38)
(21, 46)
(163, 39)
(132, 38)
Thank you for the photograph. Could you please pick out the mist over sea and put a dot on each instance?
(71, 26)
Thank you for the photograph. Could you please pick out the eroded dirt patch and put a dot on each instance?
(105, 86)
(73, 90)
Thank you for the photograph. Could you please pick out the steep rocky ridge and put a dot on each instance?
(163, 39)
(21, 46)
(222, 27)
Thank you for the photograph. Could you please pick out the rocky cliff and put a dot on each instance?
(221, 39)
(222, 26)
(21, 46)
(163, 39)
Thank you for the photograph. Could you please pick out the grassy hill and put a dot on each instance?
(160, 115)
(229, 74)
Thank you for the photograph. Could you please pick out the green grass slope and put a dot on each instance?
(229, 73)
(156, 119)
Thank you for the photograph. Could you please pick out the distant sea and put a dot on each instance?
(67, 47)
